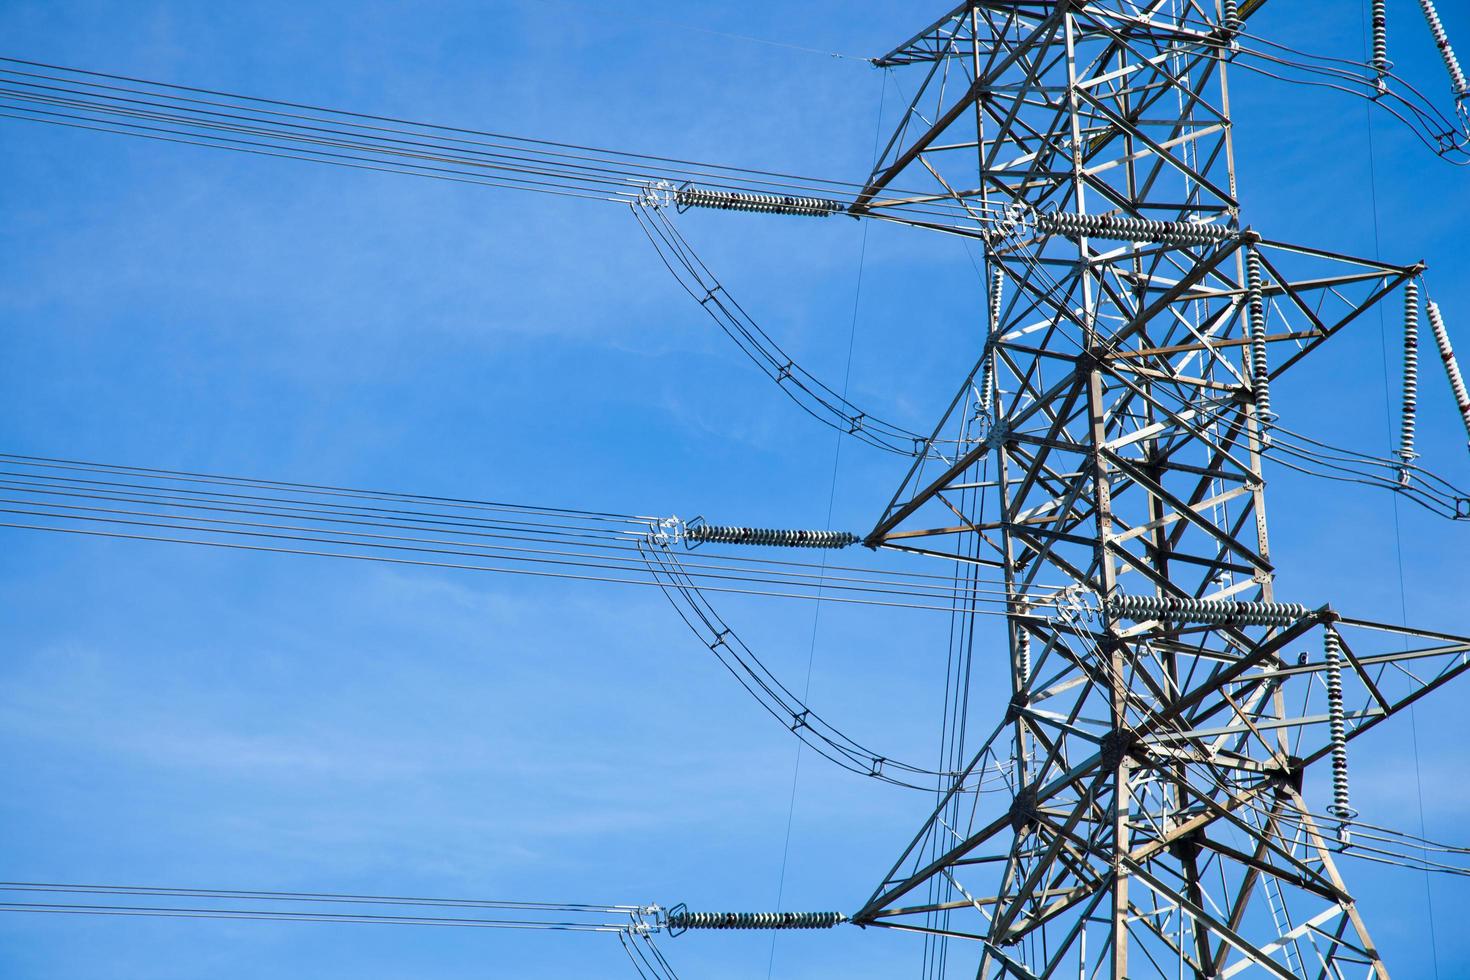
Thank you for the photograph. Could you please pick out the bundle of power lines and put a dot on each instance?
(633, 925)
(122, 105)
(135, 503)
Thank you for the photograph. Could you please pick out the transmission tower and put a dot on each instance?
(1139, 809)
(1163, 715)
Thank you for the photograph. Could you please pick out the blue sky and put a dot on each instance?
(184, 717)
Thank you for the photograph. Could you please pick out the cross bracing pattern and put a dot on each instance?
(1137, 809)
(1157, 742)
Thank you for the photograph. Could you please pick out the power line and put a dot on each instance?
(792, 711)
(1130, 737)
(825, 404)
(78, 98)
(278, 517)
(633, 925)
(160, 891)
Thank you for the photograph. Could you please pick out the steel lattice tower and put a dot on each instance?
(1139, 808)
(1161, 722)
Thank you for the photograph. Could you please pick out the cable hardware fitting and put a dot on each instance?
(666, 532)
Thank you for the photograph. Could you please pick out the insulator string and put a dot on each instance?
(1256, 325)
(1380, 42)
(1410, 406)
(1341, 807)
(1451, 364)
(1185, 609)
(1458, 85)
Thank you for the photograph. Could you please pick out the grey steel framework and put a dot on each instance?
(1139, 809)
(1161, 719)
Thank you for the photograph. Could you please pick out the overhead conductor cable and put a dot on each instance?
(1451, 365)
